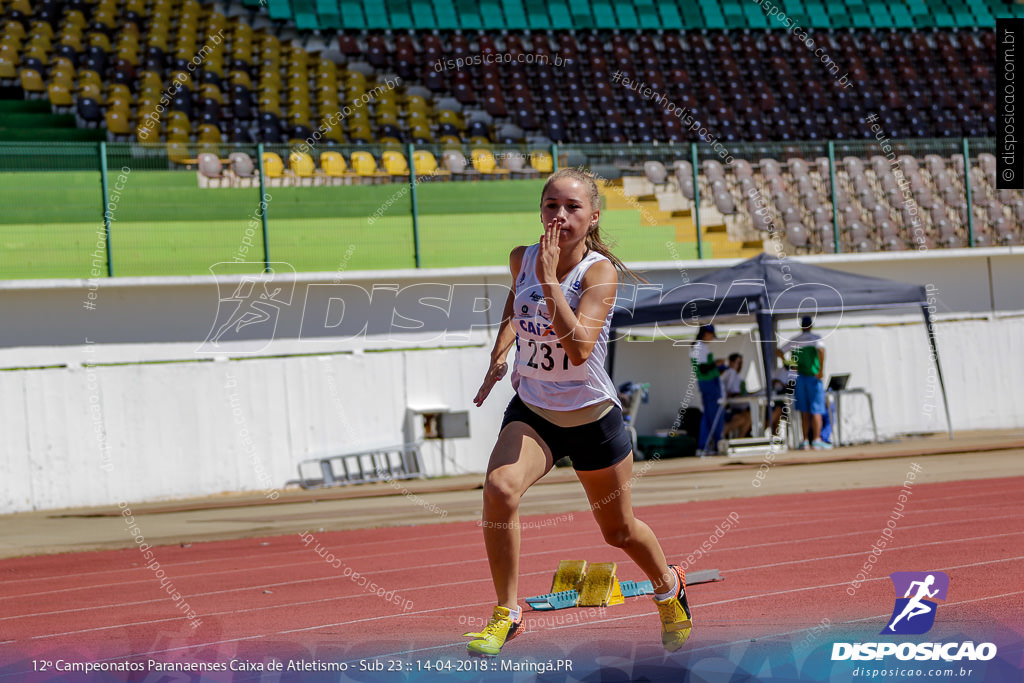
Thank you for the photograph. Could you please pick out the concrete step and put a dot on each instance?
(713, 229)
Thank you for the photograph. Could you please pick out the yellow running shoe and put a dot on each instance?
(675, 615)
(500, 630)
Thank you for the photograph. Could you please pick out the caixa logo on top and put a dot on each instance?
(917, 600)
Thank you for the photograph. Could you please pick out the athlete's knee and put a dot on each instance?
(501, 492)
(618, 535)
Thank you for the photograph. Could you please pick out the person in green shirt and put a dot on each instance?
(808, 354)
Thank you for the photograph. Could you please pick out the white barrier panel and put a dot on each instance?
(100, 435)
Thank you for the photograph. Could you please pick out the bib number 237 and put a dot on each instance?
(543, 360)
(541, 356)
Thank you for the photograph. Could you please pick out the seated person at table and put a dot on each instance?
(737, 420)
(783, 382)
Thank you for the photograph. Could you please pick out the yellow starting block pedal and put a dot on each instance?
(577, 584)
(569, 575)
(600, 586)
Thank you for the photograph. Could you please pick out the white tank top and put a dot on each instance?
(542, 374)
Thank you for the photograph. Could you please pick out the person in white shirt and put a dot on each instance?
(737, 420)
(559, 316)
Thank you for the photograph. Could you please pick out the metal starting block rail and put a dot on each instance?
(576, 584)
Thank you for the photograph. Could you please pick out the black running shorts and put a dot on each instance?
(593, 446)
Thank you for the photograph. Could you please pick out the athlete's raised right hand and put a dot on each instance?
(493, 376)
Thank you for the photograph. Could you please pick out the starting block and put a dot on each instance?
(576, 584)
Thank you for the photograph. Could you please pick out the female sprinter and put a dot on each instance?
(558, 315)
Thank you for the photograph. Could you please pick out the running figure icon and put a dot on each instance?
(917, 595)
(915, 607)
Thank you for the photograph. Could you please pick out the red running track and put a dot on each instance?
(788, 562)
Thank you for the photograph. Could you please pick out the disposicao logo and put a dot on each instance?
(914, 614)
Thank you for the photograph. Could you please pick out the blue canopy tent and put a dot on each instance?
(766, 288)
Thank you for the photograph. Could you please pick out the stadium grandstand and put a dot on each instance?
(836, 126)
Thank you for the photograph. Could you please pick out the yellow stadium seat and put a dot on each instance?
(60, 95)
(386, 117)
(366, 166)
(63, 77)
(72, 40)
(8, 66)
(425, 164)
(181, 77)
(178, 153)
(450, 140)
(37, 52)
(40, 41)
(448, 116)
(483, 161)
(240, 78)
(178, 118)
(209, 133)
(336, 171)
(12, 42)
(209, 148)
(421, 132)
(63, 64)
(150, 79)
(118, 121)
(541, 161)
(395, 163)
(210, 91)
(43, 28)
(327, 69)
(14, 29)
(148, 125)
(418, 106)
(302, 169)
(74, 17)
(330, 132)
(360, 133)
(89, 76)
(298, 115)
(128, 54)
(157, 38)
(119, 95)
(99, 40)
(32, 81)
(106, 17)
(273, 168)
(176, 132)
(270, 104)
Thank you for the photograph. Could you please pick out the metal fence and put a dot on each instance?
(84, 210)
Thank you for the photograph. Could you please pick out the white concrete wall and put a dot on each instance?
(241, 415)
(145, 432)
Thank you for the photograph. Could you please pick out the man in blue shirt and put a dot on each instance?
(808, 354)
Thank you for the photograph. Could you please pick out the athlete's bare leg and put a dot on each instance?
(608, 490)
(518, 460)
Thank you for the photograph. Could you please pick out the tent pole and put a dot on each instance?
(766, 331)
(938, 366)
